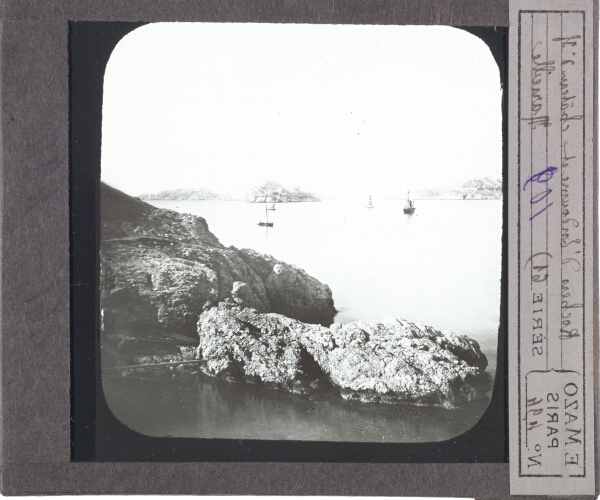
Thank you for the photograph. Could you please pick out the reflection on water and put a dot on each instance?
(439, 267)
(200, 406)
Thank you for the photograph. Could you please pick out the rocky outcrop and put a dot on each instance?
(485, 188)
(290, 290)
(273, 192)
(122, 216)
(167, 282)
(185, 194)
(159, 270)
(391, 360)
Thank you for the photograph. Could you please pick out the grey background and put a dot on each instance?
(35, 343)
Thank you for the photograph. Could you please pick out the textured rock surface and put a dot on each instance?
(290, 290)
(260, 320)
(392, 360)
(243, 345)
(159, 269)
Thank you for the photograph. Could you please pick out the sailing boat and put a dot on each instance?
(370, 203)
(268, 224)
(409, 208)
(276, 200)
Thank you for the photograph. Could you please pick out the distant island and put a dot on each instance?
(267, 191)
(273, 192)
(185, 194)
(176, 301)
(485, 188)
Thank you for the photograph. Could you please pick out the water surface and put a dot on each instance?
(440, 267)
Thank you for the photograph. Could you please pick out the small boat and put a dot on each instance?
(409, 208)
(275, 199)
(266, 224)
(370, 203)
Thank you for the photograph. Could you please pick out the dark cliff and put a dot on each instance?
(159, 270)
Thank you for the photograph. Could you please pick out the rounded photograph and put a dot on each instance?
(301, 231)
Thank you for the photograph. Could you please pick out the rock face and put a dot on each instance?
(290, 290)
(391, 360)
(164, 275)
(159, 269)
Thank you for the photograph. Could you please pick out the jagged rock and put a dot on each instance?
(123, 216)
(243, 296)
(391, 360)
(291, 291)
(143, 288)
(243, 345)
(160, 269)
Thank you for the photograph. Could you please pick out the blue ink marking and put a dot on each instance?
(542, 178)
(549, 172)
(542, 210)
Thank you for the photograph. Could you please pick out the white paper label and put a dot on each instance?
(551, 219)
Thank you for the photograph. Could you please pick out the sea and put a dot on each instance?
(440, 266)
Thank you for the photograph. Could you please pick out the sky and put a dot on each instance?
(341, 111)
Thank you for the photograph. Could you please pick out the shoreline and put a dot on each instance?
(168, 263)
